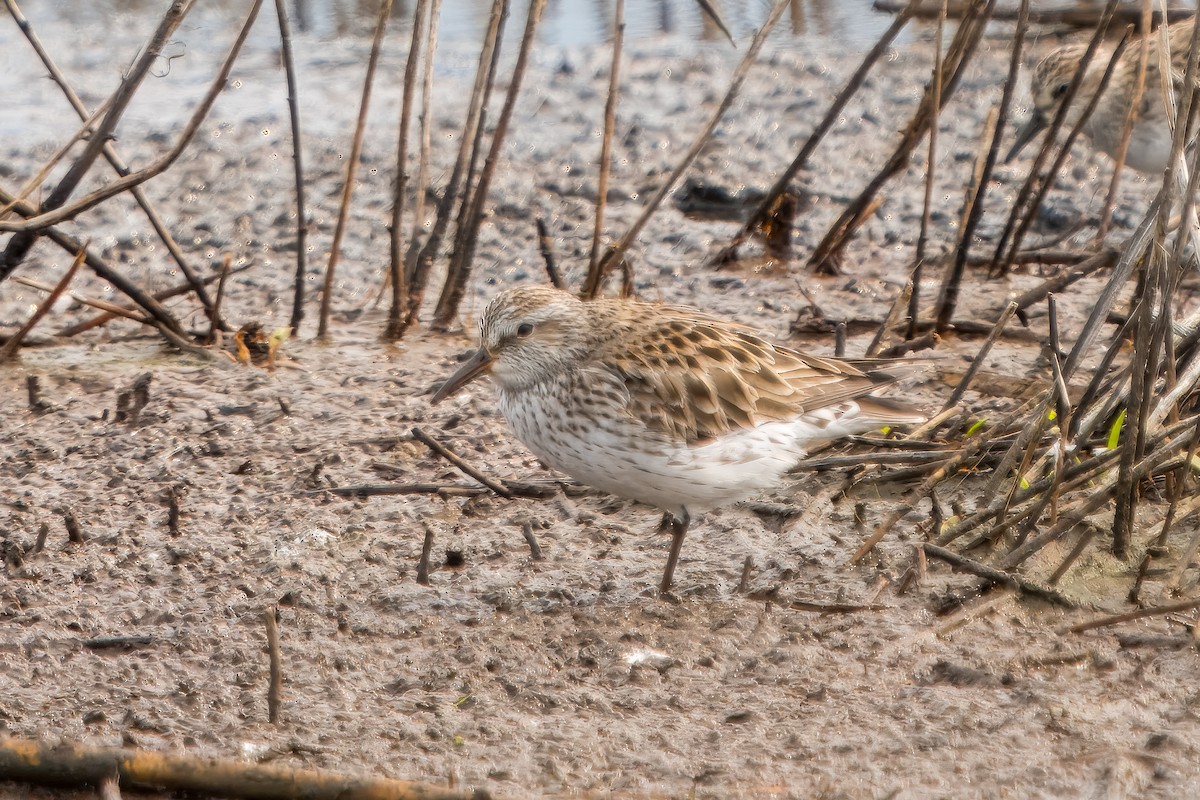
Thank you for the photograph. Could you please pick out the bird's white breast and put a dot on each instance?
(585, 431)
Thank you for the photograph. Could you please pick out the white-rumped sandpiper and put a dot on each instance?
(665, 405)
(1150, 140)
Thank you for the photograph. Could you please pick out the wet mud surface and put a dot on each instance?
(564, 676)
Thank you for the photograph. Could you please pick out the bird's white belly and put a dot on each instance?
(612, 452)
(1149, 143)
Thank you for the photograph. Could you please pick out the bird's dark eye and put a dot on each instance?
(524, 330)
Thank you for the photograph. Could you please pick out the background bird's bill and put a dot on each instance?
(1036, 123)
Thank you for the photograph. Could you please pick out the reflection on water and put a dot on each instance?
(822, 23)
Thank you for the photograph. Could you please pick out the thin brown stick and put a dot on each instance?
(546, 245)
(947, 301)
(1034, 190)
(999, 576)
(224, 276)
(19, 245)
(914, 295)
(827, 253)
(537, 491)
(1085, 16)
(398, 317)
(468, 149)
(109, 308)
(426, 550)
(126, 312)
(275, 686)
(535, 550)
(1073, 556)
(105, 271)
(289, 71)
(1139, 88)
(75, 765)
(902, 302)
(980, 357)
(85, 131)
(616, 252)
(33, 390)
(118, 164)
(360, 130)
(10, 347)
(459, 269)
(74, 529)
(591, 285)
(173, 509)
(417, 269)
(851, 87)
(53, 215)
(458, 461)
(1130, 616)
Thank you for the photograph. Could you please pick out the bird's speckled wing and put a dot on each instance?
(695, 378)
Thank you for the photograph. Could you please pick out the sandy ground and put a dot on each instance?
(564, 676)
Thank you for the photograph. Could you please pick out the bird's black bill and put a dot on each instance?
(1036, 124)
(471, 369)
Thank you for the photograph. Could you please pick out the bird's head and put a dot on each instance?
(525, 336)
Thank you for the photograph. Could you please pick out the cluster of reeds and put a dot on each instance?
(1116, 423)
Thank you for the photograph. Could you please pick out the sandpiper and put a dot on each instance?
(1150, 140)
(665, 405)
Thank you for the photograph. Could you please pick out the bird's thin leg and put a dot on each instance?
(679, 526)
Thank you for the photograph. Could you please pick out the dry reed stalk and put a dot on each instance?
(915, 276)
(902, 302)
(591, 284)
(417, 270)
(92, 302)
(972, 206)
(1085, 16)
(1001, 577)
(360, 129)
(275, 686)
(10, 347)
(398, 317)
(50, 215)
(827, 253)
(460, 462)
(710, 12)
(1159, 545)
(1165, 456)
(980, 357)
(973, 212)
(546, 246)
(1130, 616)
(970, 449)
(851, 87)
(118, 164)
(1035, 187)
(289, 72)
(19, 245)
(128, 313)
(1139, 87)
(71, 764)
(35, 181)
(467, 149)
(616, 252)
(104, 270)
(459, 270)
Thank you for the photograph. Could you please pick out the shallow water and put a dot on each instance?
(82, 38)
